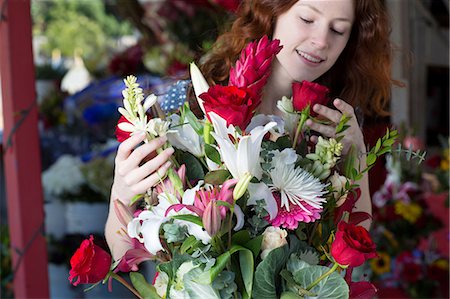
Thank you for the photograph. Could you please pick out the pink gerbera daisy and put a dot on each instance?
(290, 218)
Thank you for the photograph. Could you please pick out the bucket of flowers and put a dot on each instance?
(250, 208)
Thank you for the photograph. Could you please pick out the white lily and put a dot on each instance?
(289, 116)
(147, 225)
(184, 137)
(241, 159)
(199, 83)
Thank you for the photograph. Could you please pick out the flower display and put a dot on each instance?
(412, 199)
(248, 207)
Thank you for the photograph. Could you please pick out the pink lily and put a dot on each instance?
(133, 257)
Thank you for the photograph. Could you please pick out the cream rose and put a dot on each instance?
(273, 237)
(338, 182)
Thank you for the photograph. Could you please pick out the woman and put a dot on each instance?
(343, 44)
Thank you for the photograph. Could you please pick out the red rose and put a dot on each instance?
(235, 105)
(308, 93)
(122, 135)
(90, 263)
(352, 245)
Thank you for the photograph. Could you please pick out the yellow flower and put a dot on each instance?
(382, 264)
(441, 263)
(445, 160)
(411, 212)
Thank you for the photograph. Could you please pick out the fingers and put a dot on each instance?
(140, 173)
(136, 156)
(152, 180)
(344, 107)
(127, 146)
(325, 130)
(331, 114)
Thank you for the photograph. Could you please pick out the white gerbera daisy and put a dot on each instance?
(296, 186)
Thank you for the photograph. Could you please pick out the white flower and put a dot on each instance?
(241, 159)
(296, 186)
(147, 225)
(286, 156)
(290, 117)
(64, 176)
(199, 83)
(262, 120)
(184, 137)
(160, 284)
(258, 191)
(338, 182)
(273, 237)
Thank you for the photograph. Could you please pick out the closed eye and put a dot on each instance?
(336, 31)
(306, 21)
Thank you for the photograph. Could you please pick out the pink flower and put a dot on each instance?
(290, 219)
(133, 257)
(253, 67)
(415, 143)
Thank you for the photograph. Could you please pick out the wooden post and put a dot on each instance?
(21, 151)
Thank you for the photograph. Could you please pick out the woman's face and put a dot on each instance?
(313, 34)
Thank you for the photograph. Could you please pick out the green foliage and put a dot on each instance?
(142, 286)
(70, 25)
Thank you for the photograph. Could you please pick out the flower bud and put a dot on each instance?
(123, 213)
(273, 237)
(211, 218)
(338, 182)
(242, 186)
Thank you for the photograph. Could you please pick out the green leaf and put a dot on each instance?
(217, 177)
(389, 142)
(332, 286)
(371, 158)
(247, 265)
(255, 245)
(377, 146)
(349, 162)
(191, 218)
(212, 153)
(384, 150)
(146, 290)
(194, 171)
(190, 243)
(241, 237)
(290, 295)
(193, 121)
(135, 199)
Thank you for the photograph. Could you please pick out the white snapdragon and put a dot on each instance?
(273, 237)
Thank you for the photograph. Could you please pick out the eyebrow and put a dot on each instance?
(319, 12)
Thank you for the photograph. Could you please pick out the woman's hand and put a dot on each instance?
(138, 168)
(352, 135)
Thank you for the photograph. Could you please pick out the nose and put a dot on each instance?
(319, 39)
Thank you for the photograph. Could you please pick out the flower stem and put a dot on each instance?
(126, 284)
(303, 117)
(322, 276)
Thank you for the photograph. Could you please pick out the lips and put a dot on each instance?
(309, 57)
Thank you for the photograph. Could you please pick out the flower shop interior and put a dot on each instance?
(62, 65)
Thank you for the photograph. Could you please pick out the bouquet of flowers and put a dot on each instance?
(414, 264)
(250, 207)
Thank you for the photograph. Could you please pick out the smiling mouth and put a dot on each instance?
(309, 57)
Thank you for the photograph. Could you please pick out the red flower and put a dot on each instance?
(308, 93)
(122, 135)
(235, 105)
(352, 245)
(90, 263)
(253, 67)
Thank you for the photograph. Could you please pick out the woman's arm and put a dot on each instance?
(352, 136)
(137, 169)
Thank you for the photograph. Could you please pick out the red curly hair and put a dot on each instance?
(365, 61)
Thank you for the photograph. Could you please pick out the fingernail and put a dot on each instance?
(170, 150)
(163, 139)
(316, 107)
(309, 122)
(337, 102)
(167, 164)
